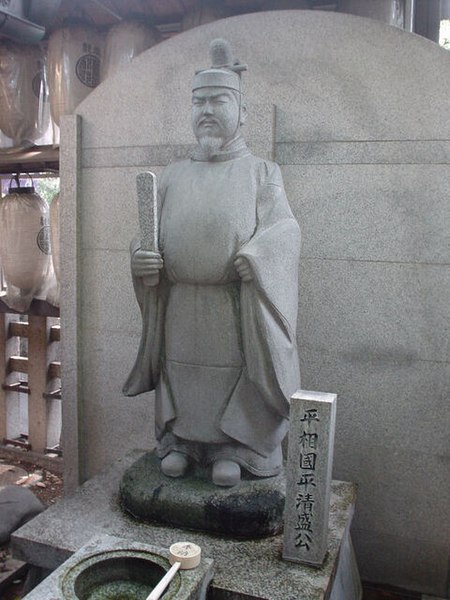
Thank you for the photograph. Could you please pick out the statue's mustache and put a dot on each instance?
(207, 121)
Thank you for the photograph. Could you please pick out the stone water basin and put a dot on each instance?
(118, 575)
(111, 568)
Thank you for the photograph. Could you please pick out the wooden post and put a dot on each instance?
(9, 346)
(37, 381)
(3, 361)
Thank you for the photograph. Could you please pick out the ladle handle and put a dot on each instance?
(159, 589)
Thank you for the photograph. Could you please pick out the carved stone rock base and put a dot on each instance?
(252, 509)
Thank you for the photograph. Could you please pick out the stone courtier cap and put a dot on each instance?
(224, 71)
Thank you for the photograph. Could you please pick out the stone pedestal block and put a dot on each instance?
(252, 569)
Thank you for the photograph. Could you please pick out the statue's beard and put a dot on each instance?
(210, 144)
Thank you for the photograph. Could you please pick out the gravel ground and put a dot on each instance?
(49, 489)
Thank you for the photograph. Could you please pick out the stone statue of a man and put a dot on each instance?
(219, 325)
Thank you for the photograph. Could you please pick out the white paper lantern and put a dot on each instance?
(24, 245)
(74, 63)
(24, 108)
(124, 41)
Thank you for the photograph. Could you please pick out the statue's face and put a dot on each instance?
(215, 114)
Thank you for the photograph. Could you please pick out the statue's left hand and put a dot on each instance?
(243, 268)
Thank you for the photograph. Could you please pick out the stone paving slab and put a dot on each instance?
(10, 569)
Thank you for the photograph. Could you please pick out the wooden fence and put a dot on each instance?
(29, 365)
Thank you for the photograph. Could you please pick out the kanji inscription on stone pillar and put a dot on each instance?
(308, 480)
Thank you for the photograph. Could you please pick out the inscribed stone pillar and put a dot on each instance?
(310, 461)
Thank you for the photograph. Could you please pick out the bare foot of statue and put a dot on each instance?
(226, 473)
(174, 464)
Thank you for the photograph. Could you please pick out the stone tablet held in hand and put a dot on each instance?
(148, 215)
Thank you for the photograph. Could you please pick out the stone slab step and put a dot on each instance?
(10, 570)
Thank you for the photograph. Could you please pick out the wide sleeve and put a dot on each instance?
(269, 303)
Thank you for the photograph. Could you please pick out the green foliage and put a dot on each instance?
(444, 34)
(47, 187)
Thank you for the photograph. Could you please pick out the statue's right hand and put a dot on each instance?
(147, 264)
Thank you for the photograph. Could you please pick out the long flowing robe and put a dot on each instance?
(221, 353)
